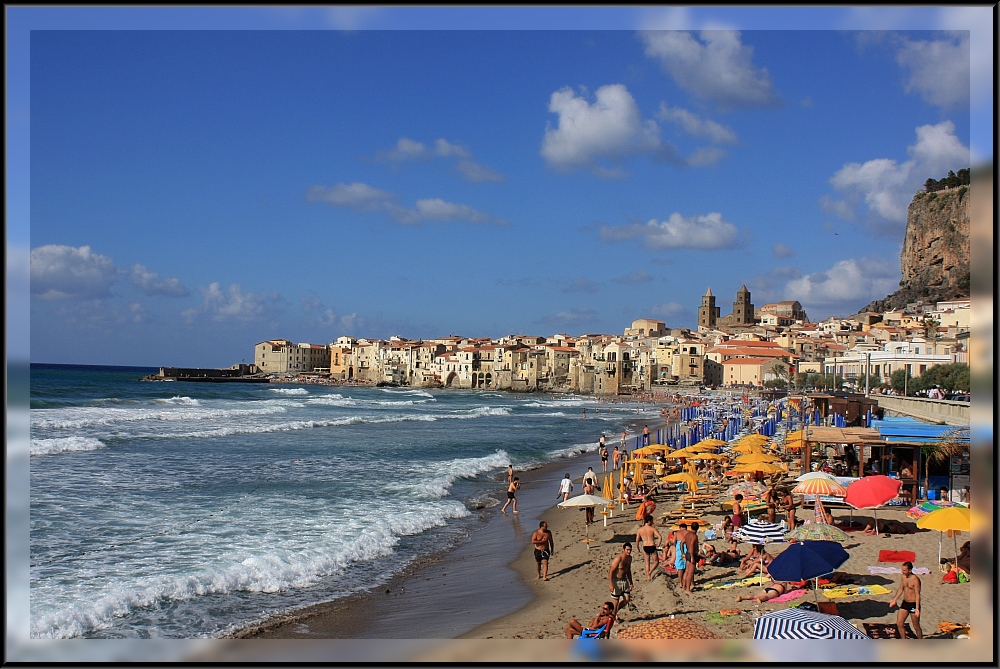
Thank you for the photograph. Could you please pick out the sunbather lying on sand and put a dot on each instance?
(770, 591)
(889, 527)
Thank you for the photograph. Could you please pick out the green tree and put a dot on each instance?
(931, 326)
(898, 381)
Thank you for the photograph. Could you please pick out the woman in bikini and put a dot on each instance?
(770, 591)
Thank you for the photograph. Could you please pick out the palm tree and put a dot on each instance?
(952, 443)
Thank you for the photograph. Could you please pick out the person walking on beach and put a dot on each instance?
(650, 539)
(510, 474)
(615, 457)
(565, 488)
(590, 476)
(511, 489)
(622, 441)
(545, 548)
(645, 435)
(589, 486)
(620, 578)
(604, 454)
(908, 597)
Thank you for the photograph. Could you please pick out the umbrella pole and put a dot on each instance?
(816, 590)
(876, 523)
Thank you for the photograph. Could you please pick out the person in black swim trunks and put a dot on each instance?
(770, 591)
(909, 601)
(650, 540)
(541, 539)
(511, 489)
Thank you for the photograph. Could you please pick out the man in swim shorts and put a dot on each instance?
(909, 601)
(541, 539)
(650, 540)
(511, 489)
(620, 577)
(605, 618)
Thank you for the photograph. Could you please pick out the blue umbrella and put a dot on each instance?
(808, 559)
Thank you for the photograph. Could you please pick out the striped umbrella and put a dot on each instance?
(802, 624)
(760, 534)
(820, 486)
(748, 489)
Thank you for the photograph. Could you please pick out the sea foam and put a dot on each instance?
(64, 445)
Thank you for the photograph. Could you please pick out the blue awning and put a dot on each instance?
(912, 430)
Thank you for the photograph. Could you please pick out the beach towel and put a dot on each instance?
(896, 570)
(788, 596)
(896, 556)
(855, 591)
(886, 631)
(749, 580)
(724, 616)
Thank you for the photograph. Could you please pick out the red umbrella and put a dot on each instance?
(872, 492)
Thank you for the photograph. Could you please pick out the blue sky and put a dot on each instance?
(204, 179)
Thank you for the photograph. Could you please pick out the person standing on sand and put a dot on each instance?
(620, 578)
(604, 454)
(565, 488)
(645, 435)
(511, 489)
(691, 542)
(615, 457)
(545, 548)
(909, 601)
(622, 442)
(650, 539)
(589, 486)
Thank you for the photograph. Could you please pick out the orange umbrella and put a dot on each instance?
(667, 628)
(817, 487)
(754, 458)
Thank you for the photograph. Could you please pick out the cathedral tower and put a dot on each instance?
(742, 309)
(708, 313)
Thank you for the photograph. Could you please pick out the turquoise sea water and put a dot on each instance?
(173, 509)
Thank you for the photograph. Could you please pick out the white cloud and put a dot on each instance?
(938, 69)
(362, 197)
(697, 232)
(151, 283)
(436, 209)
(66, 272)
(706, 156)
(849, 284)
(410, 150)
(979, 22)
(477, 173)
(446, 149)
(887, 187)
(235, 305)
(718, 68)
(668, 309)
(695, 125)
(611, 128)
(574, 318)
(782, 251)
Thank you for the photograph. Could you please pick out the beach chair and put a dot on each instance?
(829, 608)
(599, 633)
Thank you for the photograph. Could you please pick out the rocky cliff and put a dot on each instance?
(935, 255)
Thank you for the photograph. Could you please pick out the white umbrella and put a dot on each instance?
(582, 501)
(814, 475)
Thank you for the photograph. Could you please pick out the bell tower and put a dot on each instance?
(708, 313)
(742, 309)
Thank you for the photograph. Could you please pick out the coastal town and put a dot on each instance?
(775, 345)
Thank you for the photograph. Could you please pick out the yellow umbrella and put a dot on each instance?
(949, 519)
(711, 443)
(752, 458)
(683, 477)
(752, 468)
(707, 456)
(608, 493)
(683, 453)
(645, 461)
(638, 479)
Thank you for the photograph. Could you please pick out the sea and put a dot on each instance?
(193, 510)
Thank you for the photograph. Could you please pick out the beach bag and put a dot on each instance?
(709, 535)
(950, 577)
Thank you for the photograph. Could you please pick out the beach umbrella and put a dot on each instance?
(809, 559)
(667, 628)
(645, 461)
(760, 534)
(814, 475)
(754, 458)
(711, 443)
(580, 502)
(816, 532)
(820, 486)
(798, 623)
(949, 519)
(608, 493)
(871, 492)
(638, 479)
(753, 468)
(683, 477)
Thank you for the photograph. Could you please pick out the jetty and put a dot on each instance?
(239, 373)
